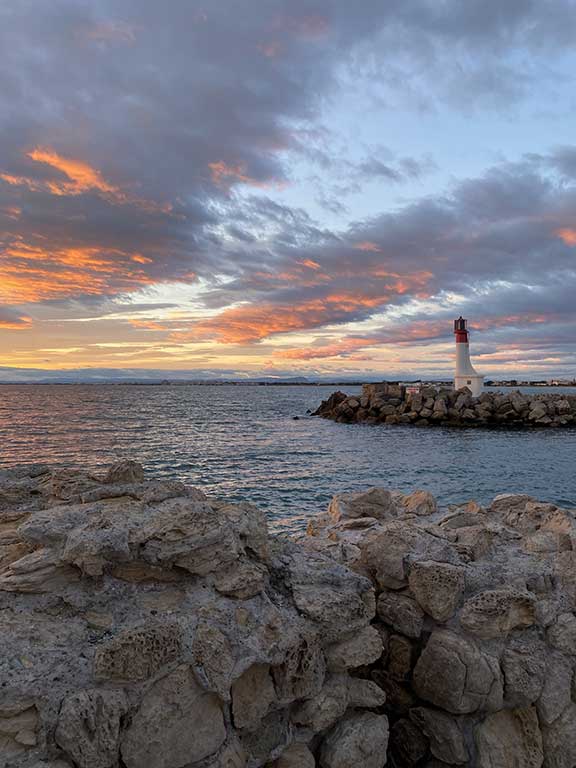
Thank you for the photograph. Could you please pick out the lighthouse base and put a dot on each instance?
(474, 382)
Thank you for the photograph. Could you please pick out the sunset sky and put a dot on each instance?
(310, 188)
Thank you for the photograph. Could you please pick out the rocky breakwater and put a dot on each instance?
(476, 612)
(144, 625)
(395, 404)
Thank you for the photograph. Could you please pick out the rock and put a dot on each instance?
(213, 658)
(562, 634)
(401, 613)
(557, 688)
(37, 572)
(455, 675)
(365, 694)
(363, 648)
(270, 739)
(125, 471)
(420, 503)
(494, 613)
(559, 740)
(358, 740)
(400, 658)
(296, 756)
(326, 707)
(18, 726)
(139, 653)
(524, 667)
(252, 696)
(437, 587)
(444, 733)
(376, 502)
(302, 673)
(177, 723)
(509, 739)
(408, 745)
(88, 727)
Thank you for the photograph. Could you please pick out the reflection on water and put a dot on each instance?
(242, 443)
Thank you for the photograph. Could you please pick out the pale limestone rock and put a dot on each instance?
(509, 739)
(363, 648)
(326, 707)
(37, 572)
(252, 696)
(386, 550)
(562, 634)
(137, 654)
(376, 503)
(437, 587)
(420, 503)
(242, 579)
(357, 740)
(402, 613)
(125, 471)
(189, 534)
(328, 595)
(494, 613)
(454, 674)
(296, 756)
(92, 546)
(89, 727)
(213, 658)
(251, 524)
(365, 694)
(177, 723)
(302, 673)
(557, 688)
(444, 733)
(559, 740)
(18, 726)
(269, 740)
(524, 667)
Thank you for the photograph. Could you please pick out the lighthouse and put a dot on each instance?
(465, 375)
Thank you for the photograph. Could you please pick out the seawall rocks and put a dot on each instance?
(387, 403)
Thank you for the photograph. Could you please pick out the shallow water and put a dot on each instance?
(242, 443)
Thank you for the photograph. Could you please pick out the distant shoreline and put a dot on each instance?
(335, 383)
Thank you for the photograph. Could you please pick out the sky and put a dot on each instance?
(241, 188)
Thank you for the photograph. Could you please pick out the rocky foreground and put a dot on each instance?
(144, 625)
(395, 404)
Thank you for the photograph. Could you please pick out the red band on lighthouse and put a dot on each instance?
(461, 337)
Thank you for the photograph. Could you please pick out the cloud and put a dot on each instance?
(10, 320)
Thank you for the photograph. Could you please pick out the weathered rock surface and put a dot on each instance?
(145, 625)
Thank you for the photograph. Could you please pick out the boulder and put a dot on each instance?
(559, 740)
(455, 675)
(253, 694)
(495, 612)
(437, 587)
(376, 502)
(407, 745)
(178, 723)
(557, 688)
(359, 650)
(444, 734)
(357, 740)
(420, 503)
(296, 756)
(138, 654)
(562, 634)
(125, 471)
(509, 739)
(88, 727)
(402, 613)
(524, 667)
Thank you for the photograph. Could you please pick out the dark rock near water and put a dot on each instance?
(387, 403)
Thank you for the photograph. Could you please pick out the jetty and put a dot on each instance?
(395, 403)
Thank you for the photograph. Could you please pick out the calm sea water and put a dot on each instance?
(241, 443)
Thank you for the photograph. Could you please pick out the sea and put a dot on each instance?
(244, 443)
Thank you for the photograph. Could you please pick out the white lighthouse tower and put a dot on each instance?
(465, 375)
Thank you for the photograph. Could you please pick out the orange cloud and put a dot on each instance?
(79, 177)
(225, 175)
(567, 235)
(20, 323)
(251, 323)
(310, 264)
(30, 273)
(342, 348)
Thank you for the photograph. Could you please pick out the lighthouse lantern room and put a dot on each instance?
(465, 375)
